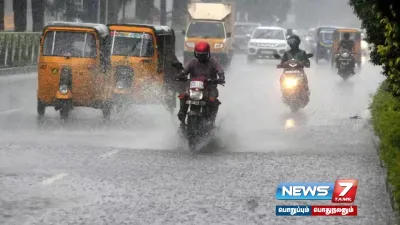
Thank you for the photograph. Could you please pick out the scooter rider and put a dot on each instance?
(296, 53)
(347, 44)
(202, 65)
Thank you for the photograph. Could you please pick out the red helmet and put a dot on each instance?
(202, 51)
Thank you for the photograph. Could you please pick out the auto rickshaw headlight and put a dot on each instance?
(63, 89)
(120, 84)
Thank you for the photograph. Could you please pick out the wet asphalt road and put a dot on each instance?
(136, 170)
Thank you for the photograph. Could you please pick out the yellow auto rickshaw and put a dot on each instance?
(141, 57)
(72, 69)
(355, 35)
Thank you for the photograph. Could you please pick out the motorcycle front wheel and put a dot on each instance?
(193, 126)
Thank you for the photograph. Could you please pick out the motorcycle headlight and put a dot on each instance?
(196, 95)
(290, 82)
(63, 89)
(120, 84)
(345, 55)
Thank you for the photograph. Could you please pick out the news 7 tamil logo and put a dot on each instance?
(342, 191)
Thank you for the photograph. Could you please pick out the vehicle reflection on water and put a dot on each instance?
(294, 120)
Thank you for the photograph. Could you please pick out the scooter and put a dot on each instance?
(345, 64)
(293, 82)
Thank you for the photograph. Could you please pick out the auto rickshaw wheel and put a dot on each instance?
(64, 113)
(106, 112)
(41, 108)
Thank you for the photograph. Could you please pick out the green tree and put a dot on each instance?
(265, 11)
(144, 9)
(20, 8)
(1, 15)
(179, 13)
(382, 23)
(38, 8)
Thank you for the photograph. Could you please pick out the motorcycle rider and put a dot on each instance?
(202, 65)
(296, 53)
(347, 44)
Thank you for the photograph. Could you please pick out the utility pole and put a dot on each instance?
(163, 12)
(98, 11)
(106, 12)
(123, 10)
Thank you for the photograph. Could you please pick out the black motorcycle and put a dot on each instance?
(199, 122)
(345, 64)
(293, 84)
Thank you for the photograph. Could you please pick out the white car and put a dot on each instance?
(267, 41)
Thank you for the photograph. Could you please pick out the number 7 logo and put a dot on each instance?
(344, 191)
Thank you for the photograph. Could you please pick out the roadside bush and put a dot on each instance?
(385, 110)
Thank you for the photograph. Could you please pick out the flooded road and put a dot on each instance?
(136, 170)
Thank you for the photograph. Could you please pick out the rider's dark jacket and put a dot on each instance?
(296, 54)
(346, 44)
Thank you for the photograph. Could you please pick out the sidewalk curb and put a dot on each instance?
(389, 188)
(18, 70)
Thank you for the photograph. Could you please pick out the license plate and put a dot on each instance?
(192, 102)
(267, 52)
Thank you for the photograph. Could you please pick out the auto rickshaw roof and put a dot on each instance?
(345, 29)
(158, 29)
(101, 29)
(327, 28)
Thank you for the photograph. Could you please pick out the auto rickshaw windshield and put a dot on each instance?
(138, 44)
(352, 35)
(326, 36)
(73, 44)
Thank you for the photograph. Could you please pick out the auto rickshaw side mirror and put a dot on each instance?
(277, 56)
(177, 64)
(310, 55)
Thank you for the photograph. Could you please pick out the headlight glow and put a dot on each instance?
(196, 95)
(120, 84)
(345, 55)
(63, 89)
(364, 45)
(290, 82)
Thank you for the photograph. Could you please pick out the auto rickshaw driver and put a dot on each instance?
(347, 44)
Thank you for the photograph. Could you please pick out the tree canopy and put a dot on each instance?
(381, 20)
